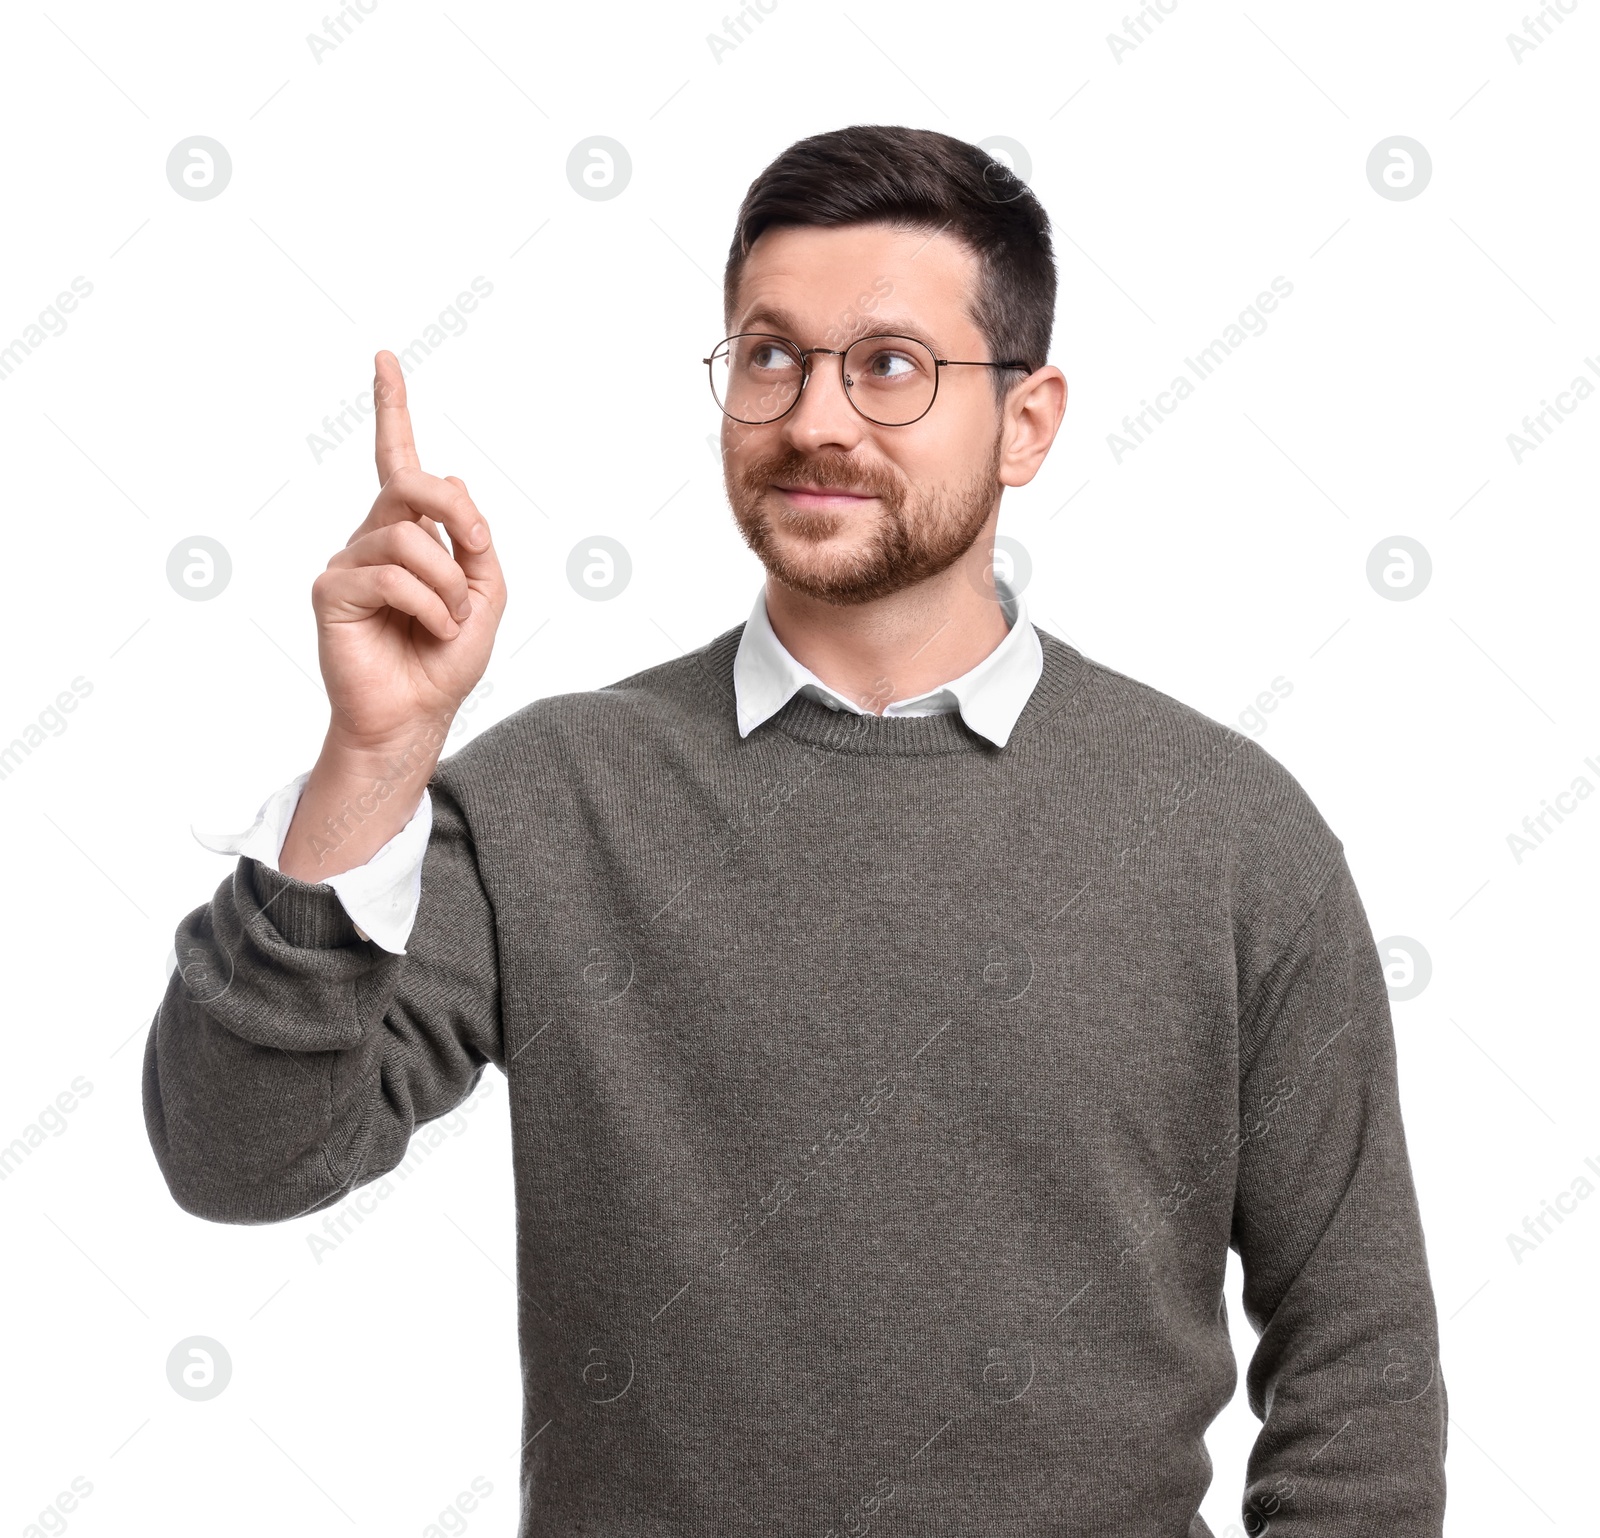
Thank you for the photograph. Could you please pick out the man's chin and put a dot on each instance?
(836, 576)
(814, 533)
(829, 557)
(818, 523)
(843, 593)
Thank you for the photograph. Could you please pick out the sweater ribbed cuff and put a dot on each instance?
(307, 916)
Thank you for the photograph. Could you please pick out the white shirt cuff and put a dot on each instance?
(381, 897)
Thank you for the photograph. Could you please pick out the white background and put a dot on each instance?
(429, 148)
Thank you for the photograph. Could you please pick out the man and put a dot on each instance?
(902, 1013)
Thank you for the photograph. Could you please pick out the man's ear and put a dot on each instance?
(1032, 416)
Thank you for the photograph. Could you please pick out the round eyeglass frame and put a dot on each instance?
(805, 354)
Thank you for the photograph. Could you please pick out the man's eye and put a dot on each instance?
(770, 357)
(890, 365)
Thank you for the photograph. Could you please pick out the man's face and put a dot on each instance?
(833, 505)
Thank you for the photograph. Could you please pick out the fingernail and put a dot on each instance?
(465, 610)
(477, 535)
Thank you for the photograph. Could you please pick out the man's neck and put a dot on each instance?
(897, 647)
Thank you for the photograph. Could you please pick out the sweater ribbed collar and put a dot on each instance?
(807, 720)
(990, 695)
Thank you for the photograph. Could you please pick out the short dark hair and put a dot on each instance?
(917, 179)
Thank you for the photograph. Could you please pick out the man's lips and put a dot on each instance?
(822, 496)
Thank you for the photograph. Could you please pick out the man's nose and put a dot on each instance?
(823, 415)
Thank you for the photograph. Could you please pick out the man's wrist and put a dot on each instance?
(392, 756)
(355, 800)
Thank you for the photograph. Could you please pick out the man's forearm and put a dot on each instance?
(355, 801)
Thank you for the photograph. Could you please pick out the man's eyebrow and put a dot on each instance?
(784, 324)
(769, 315)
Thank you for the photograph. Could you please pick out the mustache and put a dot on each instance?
(832, 472)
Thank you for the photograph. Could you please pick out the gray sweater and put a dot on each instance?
(884, 1105)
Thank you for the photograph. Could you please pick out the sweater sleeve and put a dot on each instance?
(380, 895)
(290, 1059)
(1345, 1376)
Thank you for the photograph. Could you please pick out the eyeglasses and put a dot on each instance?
(890, 380)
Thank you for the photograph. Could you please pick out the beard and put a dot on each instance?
(914, 537)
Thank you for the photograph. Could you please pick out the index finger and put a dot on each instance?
(396, 449)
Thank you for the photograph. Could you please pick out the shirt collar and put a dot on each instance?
(989, 696)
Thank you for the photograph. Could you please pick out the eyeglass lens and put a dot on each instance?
(890, 380)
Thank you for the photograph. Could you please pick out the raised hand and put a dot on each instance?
(405, 625)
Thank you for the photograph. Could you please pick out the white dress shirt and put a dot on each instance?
(381, 896)
(990, 696)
